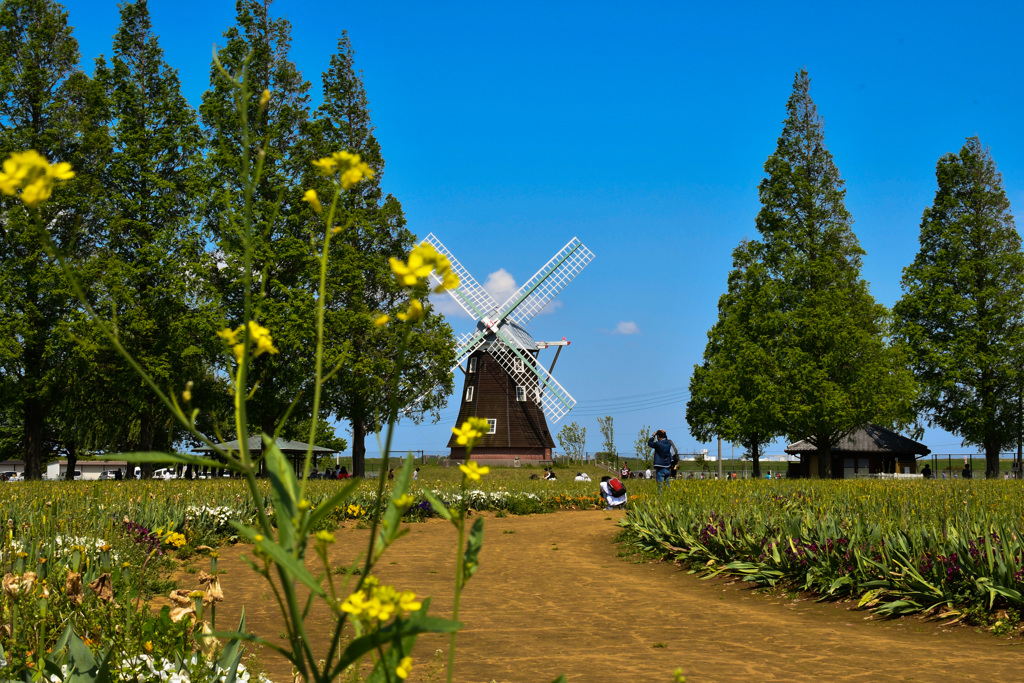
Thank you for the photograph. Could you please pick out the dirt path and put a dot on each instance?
(552, 596)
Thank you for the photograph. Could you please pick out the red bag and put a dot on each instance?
(616, 488)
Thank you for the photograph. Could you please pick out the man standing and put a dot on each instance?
(665, 455)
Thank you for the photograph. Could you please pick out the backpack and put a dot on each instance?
(616, 488)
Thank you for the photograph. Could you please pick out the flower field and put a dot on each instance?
(951, 548)
(60, 539)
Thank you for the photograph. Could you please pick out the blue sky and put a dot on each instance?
(642, 129)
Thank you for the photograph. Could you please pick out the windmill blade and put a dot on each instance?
(473, 298)
(554, 400)
(467, 344)
(540, 289)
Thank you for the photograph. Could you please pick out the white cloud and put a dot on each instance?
(500, 285)
(626, 327)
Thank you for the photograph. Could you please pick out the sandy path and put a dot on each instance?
(553, 597)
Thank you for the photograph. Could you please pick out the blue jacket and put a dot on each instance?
(663, 451)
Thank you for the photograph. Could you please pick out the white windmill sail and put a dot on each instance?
(545, 285)
(520, 308)
(470, 295)
(554, 400)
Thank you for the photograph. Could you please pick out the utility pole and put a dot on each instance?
(719, 458)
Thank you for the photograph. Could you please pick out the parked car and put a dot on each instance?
(165, 473)
(108, 474)
(18, 476)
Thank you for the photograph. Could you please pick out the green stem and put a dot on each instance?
(459, 560)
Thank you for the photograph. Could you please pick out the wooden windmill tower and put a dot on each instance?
(505, 382)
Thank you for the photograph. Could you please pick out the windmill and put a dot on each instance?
(505, 382)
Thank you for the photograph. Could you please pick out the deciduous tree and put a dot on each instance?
(573, 440)
(734, 392)
(825, 333)
(49, 105)
(962, 312)
(362, 286)
(282, 280)
(153, 259)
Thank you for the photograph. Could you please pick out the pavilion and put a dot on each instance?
(868, 450)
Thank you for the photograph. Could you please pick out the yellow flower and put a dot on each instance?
(30, 172)
(258, 335)
(411, 273)
(414, 314)
(313, 200)
(422, 260)
(382, 320)
(261, 336)
(264, 98)
(350, 168)
(471, 431)
(148, 647)
(404, 502)
(407, 602)
(354, 604)
(404, 668)
(472, 472)
(325, 537)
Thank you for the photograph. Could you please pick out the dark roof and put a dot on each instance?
(256, 446)
(868, 439)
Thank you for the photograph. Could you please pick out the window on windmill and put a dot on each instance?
(472, 364)
(492, 425)
(520, 393)
(517, 365)
(469, 393)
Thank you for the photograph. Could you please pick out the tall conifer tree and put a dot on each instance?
(962, 311)
(49, 105)
(361, 282)
(154, 259)
(826, 334)
(734, 392)
(284, 265)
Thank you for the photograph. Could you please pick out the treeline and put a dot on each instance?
(802, 350)
(151, 225)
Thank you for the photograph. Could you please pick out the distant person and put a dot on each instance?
(549, 474)
(391, 473)
(926, 471)
(648, 474)
(582, 476)
(343, 473)
(665, 455)
(966, 474)
(416, 474)
(117, 474)
(612, 498)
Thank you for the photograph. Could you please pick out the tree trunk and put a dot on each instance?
(35, 422)
(992, 463)
(755, 456)
(72, 461)
(146, 442)
(825, 460)
(358, 447)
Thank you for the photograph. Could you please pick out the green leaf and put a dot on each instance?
(281, 557)
(285, 492)
(471, 558)
(325, 508)
(438, 506)
(391, 520)
(171, 459)
(417, 623)
(232, 654)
